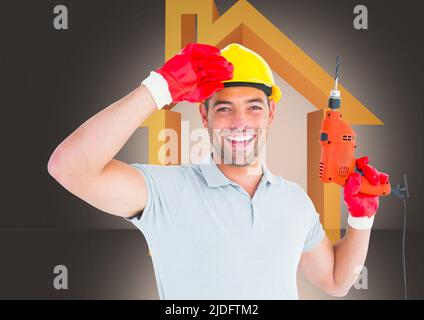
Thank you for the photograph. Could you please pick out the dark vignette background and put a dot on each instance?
(52, 81)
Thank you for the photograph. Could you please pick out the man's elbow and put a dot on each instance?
(53, 166)
(59, 168)
(340, 291)
(339, 294)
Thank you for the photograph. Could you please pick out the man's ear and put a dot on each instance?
(271, 110)
(203, 114)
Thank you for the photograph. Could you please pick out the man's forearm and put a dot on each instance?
(349, 257)
(94, 144)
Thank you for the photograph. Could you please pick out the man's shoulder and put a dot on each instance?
(182, 170)
(291, 186)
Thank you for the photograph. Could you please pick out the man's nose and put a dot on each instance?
(239, 120)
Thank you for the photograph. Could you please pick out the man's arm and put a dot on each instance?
(335, 269)
(83, 163)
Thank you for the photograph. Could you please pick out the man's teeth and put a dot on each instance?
(240, 138)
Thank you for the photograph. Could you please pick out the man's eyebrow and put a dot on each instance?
(217, 102)
(221, 102)
(255, 100)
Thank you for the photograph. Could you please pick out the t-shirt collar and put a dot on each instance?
(216, 178)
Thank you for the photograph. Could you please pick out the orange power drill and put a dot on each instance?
(338, 143)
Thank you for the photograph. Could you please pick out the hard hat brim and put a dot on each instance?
(266, 89)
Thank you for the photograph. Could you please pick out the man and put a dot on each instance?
(219, 229)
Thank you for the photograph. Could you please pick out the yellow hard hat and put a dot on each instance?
(250, 69)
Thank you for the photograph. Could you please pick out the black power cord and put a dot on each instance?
(403, 250)
(403, 193)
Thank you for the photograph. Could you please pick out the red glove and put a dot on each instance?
(362, 205)
(194, 74)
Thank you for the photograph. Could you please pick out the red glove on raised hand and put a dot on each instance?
(194, 74)
(362, 207)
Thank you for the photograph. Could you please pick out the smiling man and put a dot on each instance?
(226, 228)
(238, 119)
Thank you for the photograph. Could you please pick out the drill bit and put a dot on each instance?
(336, 75)
(334, 99)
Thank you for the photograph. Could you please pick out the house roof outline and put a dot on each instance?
(199, 21)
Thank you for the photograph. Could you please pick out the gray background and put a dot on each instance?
(53, 81)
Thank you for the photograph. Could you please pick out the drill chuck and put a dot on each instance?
(334, 99)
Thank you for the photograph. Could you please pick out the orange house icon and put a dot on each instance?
(199, 21)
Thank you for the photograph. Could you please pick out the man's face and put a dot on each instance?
(238, 121)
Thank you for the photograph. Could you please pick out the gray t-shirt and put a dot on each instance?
(210, 240)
